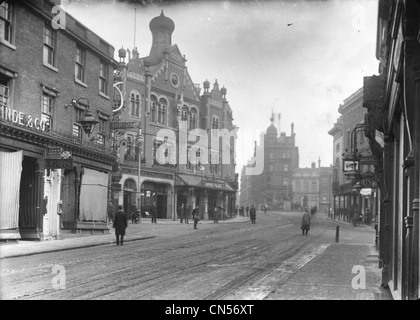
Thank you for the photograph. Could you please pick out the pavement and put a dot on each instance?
(344, 270)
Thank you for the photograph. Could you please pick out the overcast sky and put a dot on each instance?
(299, 58)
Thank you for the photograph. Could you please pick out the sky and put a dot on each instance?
(301, 59)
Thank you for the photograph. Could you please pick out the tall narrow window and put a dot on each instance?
(131, 105)
(77, 128)
(129, 150)
(134, 108)
(215, 123)
(137, 105)
(193, 119)
(101, 131)
(103, 78)
(162, 111)
(47, 110)
(6, 21)
(49, 45)
(4, 90)
(184, 116)
(80, 64)
(154, 111)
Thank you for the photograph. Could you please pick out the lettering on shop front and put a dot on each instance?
(22, 119)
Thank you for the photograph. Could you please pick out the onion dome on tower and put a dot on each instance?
(161, 28)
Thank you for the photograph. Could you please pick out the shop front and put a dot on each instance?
(156, 189)
(209, 196)
(49, 185)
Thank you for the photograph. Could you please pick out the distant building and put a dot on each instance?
(53, 171)
(273, 187)
(312, 187)
(354, 191)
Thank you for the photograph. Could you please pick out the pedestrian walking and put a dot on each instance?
(134, 215)
(153, 212)
(187, 214)
(247, 211)
(306, 222)
(216, 215)
(120, 224)
(181, 212)
(253, 214)
(196, 217)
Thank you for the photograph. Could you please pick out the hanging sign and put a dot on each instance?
(123, 125)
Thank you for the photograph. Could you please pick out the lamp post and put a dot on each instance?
(356, 189)
(140, 143)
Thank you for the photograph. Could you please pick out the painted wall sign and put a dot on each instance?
(22, 119)
(53, 153)
(59, 163)
(213, 185)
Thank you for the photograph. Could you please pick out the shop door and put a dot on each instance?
(161, 206)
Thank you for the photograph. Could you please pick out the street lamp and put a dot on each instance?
(88, 122)
(140, 143)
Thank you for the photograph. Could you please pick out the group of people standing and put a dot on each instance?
(185, 212)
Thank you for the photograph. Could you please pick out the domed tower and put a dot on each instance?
(122, 54)
(272, 130)
(161, 28)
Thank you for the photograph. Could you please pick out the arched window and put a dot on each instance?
(162, 111)
(215, 122)
(184, 115)
(134, 106)
(137, 106)
(153, 115)
(193, 119)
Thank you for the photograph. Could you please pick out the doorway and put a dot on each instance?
(161, 205)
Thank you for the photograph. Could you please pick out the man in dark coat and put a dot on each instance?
(181, 212)
(253, 214)
(216, 215)
(154, 213)
(196, 217)
(306, 222)
(187, 214)
(120, 224)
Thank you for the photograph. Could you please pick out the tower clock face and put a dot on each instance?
(174, 80)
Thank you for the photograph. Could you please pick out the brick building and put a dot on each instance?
(274, 186)
(53, 78)
(171, 111)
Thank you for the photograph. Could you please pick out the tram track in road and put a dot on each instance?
(232, 288)
(214, 261)
(79, 282)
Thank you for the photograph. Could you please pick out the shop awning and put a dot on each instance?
(184, 180)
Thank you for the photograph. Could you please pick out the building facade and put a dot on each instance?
(392, 100)
(312, 188)
(55, 85)
(168, 135)
(354, 182)
(274, 186)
